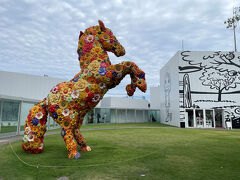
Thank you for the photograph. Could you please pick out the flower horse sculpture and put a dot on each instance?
(68, 102)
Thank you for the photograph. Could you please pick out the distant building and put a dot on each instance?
(199, 89)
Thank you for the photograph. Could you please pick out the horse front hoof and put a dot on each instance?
(130, 88)
(142, 85)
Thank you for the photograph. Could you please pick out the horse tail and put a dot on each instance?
(35, 128)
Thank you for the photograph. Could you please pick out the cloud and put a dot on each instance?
(40, 37)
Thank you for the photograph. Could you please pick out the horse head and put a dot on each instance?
(99, 36)
(109, 41)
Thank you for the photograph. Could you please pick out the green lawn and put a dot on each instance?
(163, 153)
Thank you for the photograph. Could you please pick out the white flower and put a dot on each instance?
(102, 85)
(30, 137)
(39, 115)
(25, 138)
(40, 146)
(75, 94)
(66, 112)
(89, 38)
(27, 130)
(96, 98)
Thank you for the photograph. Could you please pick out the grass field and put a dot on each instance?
(160, 153)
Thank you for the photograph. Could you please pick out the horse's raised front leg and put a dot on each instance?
(136, 74)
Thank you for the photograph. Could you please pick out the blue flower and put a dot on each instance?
(102, 71)
(79, 52)
(54, 114)
(142, 75)
(35, 122)
(114, 73)
(76, 79)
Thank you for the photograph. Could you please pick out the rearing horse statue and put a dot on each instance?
(68, 102)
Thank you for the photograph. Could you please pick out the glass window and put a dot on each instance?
(121, 115)
(199, 118)
(139, 116)
(153, 116)
(131, 115)
(190, 117)
(114, 116)
(25, 108)
(209, 118)
(9, 116)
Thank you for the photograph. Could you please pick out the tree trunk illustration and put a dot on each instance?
(220, 94)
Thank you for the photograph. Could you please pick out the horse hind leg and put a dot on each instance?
(71, 145)
(80, 140)
(35, 128)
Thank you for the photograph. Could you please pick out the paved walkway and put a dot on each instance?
(6, 140)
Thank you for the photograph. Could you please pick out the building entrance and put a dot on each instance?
(219, 118)
(199, 118)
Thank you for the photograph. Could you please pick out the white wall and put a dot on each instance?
(26, 86)
(155, 97)
(169, 92)
(124, 103)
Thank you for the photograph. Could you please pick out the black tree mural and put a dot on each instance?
(219, 80)
(221, 61)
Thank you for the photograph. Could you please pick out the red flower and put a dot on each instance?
(87, 47)
(29, 117)
(90, 96)
(43, 121)
(104, 65)
(101, 40)
(52, 108)
(87, 90)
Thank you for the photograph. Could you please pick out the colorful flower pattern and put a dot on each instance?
(68, 102)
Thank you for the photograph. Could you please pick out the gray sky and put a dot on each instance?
(40, 36)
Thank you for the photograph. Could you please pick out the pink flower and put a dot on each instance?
(55, 90)
(87, 47)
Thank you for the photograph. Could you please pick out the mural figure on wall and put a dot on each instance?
(187, 99)
(167, 90)
(69, 102)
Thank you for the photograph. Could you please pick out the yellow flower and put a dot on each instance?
(82, 95)
(81, 84)
(97, 50)
(104, 36)
(95, 87)
(66, 125)
(59, 112)
(26, 145)
(53, 98)
(63, 104)
(94, 67)
(35, 109)
(35, 129)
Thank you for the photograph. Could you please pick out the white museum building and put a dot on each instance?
(199, 89)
